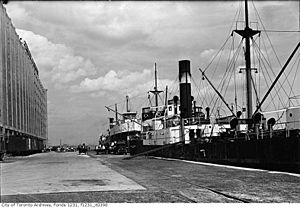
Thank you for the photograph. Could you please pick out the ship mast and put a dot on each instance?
(155, 88)
(116, 115)
(127, 103)
(248, 34)
(155, 91)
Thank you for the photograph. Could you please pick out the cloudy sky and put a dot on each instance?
(92, 54)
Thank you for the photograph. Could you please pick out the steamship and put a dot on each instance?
(257, 139)
(121, 129)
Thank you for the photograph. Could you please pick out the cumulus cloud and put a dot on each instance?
(207, 53)
(112, 81)
(123, 82)
(56, 61)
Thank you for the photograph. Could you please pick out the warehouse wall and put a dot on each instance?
(23, 99)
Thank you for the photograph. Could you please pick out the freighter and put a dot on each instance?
(244, 137)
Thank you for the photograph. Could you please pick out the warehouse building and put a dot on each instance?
(23, 99)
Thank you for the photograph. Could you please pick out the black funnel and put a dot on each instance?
(185, 89)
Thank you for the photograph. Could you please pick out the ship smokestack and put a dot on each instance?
(194, 106)
(111, 122)
(185, 89)
(207, 112)
(175, 98)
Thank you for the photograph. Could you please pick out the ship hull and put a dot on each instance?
(279, 153)
(121, 142)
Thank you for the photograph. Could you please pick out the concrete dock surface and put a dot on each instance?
(70, 177)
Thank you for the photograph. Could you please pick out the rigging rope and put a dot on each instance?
(205, 91)
(266, 34)
(216, 54)
(222, 82)
(268, 63)
(280, 84)
(236, 16)
(272, 99)
(296, 73)
(232, 72)
(233, 60)
(173, 88)
(270, 40)
(283, 31)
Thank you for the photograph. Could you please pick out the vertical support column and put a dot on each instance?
(21, 87)
(26, 92)
(2, 45)
(33, 103)
(16, 83)
(30, 98)
(46, 114)
(37, 96)
(5, 82)
(13, 78)
(8, 71)
(19, 95)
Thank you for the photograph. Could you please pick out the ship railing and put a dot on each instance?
(187, 121)
(280, 128)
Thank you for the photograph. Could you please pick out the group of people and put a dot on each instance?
(82, 148)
